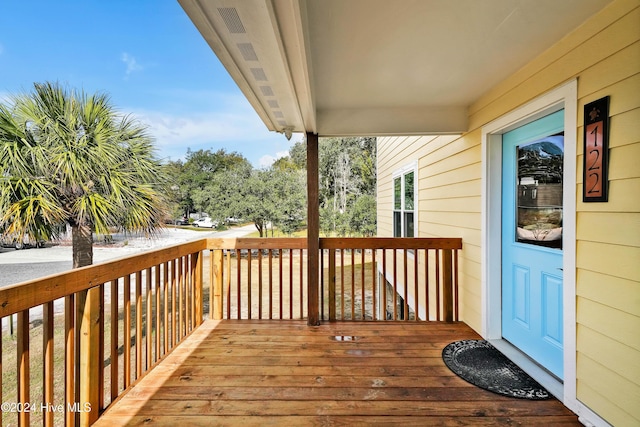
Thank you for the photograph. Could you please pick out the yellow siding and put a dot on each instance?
(590, 340)
(595, 227)
(621, 294)
(604, 56)
(621, 411)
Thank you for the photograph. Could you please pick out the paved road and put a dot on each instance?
(28, 264)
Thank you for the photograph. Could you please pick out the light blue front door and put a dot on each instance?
(532, 176)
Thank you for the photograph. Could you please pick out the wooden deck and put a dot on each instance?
(281, 373)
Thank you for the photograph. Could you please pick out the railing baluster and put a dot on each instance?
(138, 325)
(259, 284)
(127, 330)
(70, 357)
(302, 283)
(239, 282)
(455, 283)
(227, 278)
(188, 280)
(332, 285)
(114, 339)
(22, 349)
(426, 285)
(342, 316)
(47, 361)
(280, 285)
(174, 296)
(198, 300)
(383, 285)
(374, 276)
(447, 284)
(249, 284)
(148, 320)
(353, 285)
(290, 283)
(363, 305)
(165, 286)
(405, 303)
(322, 284)
(181, 300)
(437, 284)
(270, 284)
(158, 312)
(395, 284)
(101, 349)
(215, 290)
(416, 295)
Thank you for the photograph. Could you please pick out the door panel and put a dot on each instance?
(552, 313)
(532, 177)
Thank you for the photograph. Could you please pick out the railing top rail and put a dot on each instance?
(21, 296)
(257, 243)
(337, 243)
(391, 243)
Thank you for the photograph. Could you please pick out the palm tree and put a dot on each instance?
(68, 158)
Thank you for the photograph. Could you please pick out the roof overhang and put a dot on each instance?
(377, 67)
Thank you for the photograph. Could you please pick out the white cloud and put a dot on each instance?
(267, 160)
(231, 130)
(131, 63)
(210, 120)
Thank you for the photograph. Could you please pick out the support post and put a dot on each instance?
(313, 231)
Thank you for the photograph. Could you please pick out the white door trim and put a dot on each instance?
(564, 97)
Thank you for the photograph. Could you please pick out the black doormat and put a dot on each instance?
(481, 364)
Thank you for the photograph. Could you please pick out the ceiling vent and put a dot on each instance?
(247, 51)
(273, 103)
(232, 20)
(266, 90)
(258, 74)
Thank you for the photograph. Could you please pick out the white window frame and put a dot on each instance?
(401, 173)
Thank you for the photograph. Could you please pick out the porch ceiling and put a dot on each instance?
(377, 67)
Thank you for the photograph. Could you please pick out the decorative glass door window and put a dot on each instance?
(539, 192)
(404, 205)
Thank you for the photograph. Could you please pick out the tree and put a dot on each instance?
(198, 170)
(289, 195)
(68, 158)
(347, 169)
(271, 196)
(362, 218)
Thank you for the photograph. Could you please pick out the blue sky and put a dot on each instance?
(148, 56)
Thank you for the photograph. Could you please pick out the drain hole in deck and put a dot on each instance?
(345, 338)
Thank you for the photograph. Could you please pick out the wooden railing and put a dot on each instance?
(258, 278)
(111, 323)
(85, 336)
(389, 279)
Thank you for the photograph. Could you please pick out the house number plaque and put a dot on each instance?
(596, 149)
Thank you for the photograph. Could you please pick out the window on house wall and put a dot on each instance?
(404, 212)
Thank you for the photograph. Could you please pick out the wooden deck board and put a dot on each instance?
(286, 373)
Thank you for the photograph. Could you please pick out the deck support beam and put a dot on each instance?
(313, 231)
